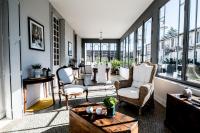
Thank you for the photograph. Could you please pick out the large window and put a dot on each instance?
(147, 40)
(131, 48)
(171, 39)
(88, 53)
(104, 52)
(96, 52)
(127, 50)
(193, 66)
(113, 51)
(139, 44)
(100, 52)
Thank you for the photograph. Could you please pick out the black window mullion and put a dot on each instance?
(143, 42)
(186, 39)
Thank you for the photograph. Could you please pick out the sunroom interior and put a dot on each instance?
(154, 45)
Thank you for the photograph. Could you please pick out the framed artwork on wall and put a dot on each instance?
(36, 35)
(69, 49)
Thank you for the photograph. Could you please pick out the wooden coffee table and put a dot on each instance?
(82, 122)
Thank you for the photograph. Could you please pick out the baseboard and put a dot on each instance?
(160, 100)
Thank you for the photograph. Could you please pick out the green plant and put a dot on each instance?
(36, 66)
(115, 64)
(110, 102)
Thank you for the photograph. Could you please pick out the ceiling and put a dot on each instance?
(90, 17)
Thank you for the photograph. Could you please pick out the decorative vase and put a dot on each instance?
(110, 111)
(187, 93)
(37, 73)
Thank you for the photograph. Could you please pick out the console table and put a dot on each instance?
(43, 80)
(182, 114)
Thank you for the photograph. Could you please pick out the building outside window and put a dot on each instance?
(131, 49)
(100, 52)
(147, 40)
(88, 53)
(171, 35)
(96, 52)
(193, 66)
(127, 52)
(113, 51)
(139, 44)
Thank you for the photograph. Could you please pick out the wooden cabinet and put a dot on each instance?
(182, 115)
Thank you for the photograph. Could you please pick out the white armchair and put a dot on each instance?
(139, 88)
(66, 84)
(101, 76)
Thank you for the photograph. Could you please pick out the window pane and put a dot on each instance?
(121, 51)
(131, 48)
(193, 66)
(104, 52)
(127, 52)
(113, 48)
(88, 51)
(139, 45)
(96, 52)
(171, 38)
(147, 40)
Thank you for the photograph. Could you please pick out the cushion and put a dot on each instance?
(130, 92)
(141, 75)
(66, 75)
(73, 89)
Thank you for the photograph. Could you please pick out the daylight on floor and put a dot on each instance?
(104, 66)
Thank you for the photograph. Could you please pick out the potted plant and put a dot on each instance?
(37, 70)
(115, 66)
(110, 103)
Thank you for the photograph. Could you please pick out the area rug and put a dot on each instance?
(40, 105)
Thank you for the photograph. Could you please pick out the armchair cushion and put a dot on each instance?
(73, 89)
(130, 92)
(66, 75)
(141, 75)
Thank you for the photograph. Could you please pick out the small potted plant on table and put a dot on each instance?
(37, 70)
(110, 103)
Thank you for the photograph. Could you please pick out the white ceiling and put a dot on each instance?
(90, 17)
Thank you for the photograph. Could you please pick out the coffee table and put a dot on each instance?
(82, 122)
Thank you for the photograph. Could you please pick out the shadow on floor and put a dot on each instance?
(58, 129)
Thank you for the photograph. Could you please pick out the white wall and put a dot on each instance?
(15, 74)
(79, 49)
(68, 37)
(39, 11)
(163, 86)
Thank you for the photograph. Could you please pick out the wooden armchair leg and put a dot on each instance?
(59, 94)
(86, 95)
(140, 111)
(66, 102)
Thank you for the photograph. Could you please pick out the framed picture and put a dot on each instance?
(69, 48)
(36, 35)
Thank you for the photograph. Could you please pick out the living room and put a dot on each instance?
(141, 53)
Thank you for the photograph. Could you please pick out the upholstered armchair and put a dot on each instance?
(101, 76)
(139, 88)
(67, 84)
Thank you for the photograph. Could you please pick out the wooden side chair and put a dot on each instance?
(67, 84)
(139, 88)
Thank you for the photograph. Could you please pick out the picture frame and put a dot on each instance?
(36, 35)
(69, 48)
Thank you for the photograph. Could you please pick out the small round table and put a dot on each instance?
(44, 80)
